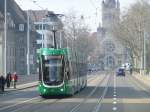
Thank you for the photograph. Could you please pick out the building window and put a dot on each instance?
(21, 27)
(37, 27)
(109, 46)
(22, 52)
(40, 27)
(10, 51)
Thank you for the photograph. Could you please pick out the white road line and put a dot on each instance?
(114, 98)
(7, 107)
(114, 102)
(114, 108)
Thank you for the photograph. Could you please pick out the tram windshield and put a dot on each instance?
(53, 71)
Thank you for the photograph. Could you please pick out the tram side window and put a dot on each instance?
(39, 70)
(67, 71)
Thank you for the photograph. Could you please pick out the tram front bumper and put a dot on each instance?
(48, 91)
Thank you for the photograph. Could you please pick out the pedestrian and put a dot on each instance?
(8, 80)
(14, 79)
(2, 83)
(130, 71)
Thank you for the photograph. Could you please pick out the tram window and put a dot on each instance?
(53, 71)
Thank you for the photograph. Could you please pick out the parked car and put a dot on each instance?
(120, 72)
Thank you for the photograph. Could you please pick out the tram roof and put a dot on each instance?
(52, 51)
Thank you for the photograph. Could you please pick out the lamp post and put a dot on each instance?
(5, 38)
(28, 44)
(43, 37)
(144, 42)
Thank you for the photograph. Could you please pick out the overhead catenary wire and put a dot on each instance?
(97, 10)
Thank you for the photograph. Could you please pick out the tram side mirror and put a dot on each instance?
(67, 73)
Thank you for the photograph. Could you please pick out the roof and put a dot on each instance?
(37, 15)
(110, 3)
(17, 14)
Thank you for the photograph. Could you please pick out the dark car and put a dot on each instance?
(120, 72)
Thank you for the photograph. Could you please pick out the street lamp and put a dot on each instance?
(144, 50)
(28, 44)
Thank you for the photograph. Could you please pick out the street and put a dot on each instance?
(105, 93)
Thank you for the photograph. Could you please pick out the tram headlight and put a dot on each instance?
(61, 89)
(44, 90)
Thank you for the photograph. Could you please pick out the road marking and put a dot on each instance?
(114, 102)
(114, 108)
(136, 101)
(114, 98)
(7, 107)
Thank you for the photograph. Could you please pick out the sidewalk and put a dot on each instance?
(143, 78)
(24, 82)
(22, 86)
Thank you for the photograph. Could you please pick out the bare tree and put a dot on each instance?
(78, 34)
(133, 26)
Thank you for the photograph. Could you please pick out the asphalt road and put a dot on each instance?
(105, 93)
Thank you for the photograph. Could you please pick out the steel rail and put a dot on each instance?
(78, 106)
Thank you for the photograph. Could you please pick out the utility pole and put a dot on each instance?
(144, 52)
(28, 44)
(5, 39)
(43, 37)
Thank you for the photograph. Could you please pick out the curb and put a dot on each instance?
(22, 88)
(141, 79)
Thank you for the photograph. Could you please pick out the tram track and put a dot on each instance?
(98, 106)
(41, 100)
(78, 106)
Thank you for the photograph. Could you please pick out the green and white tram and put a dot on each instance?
(61, 72)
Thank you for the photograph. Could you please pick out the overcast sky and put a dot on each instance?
(83, 7)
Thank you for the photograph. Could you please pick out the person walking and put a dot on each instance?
(130, 71)
(14, 79)
(2, 83)
(8, 80)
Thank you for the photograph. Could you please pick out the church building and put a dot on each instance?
(112, 54)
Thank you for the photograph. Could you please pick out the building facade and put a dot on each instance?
(16, 40)
(112, 51)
